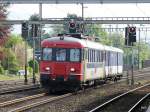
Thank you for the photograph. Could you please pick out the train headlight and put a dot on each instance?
(72, 69)
(47, 68)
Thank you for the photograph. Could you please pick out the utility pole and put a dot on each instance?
(33, 38)
(139, 49)
(132, 68)
(25, 76)
(82, 11)
(40, 30)
(82, 18)
(127, 59)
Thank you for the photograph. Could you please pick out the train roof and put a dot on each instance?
(84, 43)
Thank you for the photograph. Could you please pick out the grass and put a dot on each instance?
(10, 77)
(13, 77)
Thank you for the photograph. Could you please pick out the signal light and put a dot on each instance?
(34, 30)
(24, 30)
(130, 35)
(132, 29)
(72, 25)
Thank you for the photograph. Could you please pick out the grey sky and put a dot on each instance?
(24, 11)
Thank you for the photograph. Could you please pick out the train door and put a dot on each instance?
(117, 63)
(109, 63)
(84, 62)
(106, 63)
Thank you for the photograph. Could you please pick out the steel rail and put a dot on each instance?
(32, 105)
(116, 98)
(139, 102)
(11, 102)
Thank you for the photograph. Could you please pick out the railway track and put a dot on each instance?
(39, 101)
(18, 88)
(26, 103)
(140, 104)
(29, 102)
(36, 86)
(124, 102)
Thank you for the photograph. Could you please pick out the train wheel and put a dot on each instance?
(83, 88)
(75, 90)
(95, 84)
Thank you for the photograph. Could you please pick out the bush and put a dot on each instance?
(1, 70)
(30, 70)
(13, 71)
(36, 65)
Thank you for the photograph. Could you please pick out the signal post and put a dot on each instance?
(130, 38)
(25, 34)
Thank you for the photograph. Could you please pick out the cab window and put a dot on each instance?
(47, 54)
(75, 55)
(60, 54)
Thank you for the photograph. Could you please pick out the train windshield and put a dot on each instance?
(74, 55)
(61, 54)
(47, 54)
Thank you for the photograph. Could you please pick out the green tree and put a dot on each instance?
(16, 44)
(13, 51)
(9, 61)
(13, 41)
(95, 30)
(144, 49)
(4, 30)
(36, 65)
(1, 70)
(117, 40)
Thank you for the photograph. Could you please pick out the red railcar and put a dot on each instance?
(61, 64)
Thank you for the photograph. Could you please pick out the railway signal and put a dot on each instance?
(130, 35)
(24, 30)
(34, 30)
(72, 27)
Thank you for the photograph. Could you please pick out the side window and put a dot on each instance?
(97, 55)
(102, 56)
(91, 57)
(88, 55)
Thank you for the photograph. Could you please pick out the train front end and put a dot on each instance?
(60, 66)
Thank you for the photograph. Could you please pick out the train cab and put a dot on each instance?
(61, 63)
